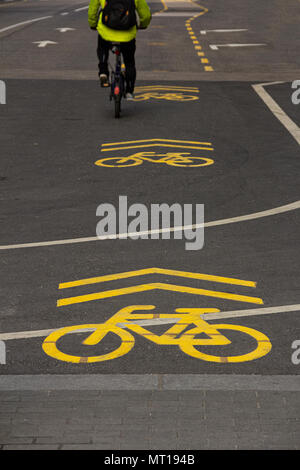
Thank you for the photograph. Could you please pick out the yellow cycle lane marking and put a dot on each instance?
(125, 320)
(156, 286)
(183, 4)
(176, 335)
(167, 272)
(198, 48)
(177, 159)
(186, 144)
(171, 158)
(166, 92)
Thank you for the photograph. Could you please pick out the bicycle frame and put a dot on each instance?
(186, 317)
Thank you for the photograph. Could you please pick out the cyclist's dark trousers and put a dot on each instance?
(128, 51)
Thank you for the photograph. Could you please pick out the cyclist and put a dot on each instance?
(117, 22)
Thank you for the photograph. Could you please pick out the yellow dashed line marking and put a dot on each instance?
(193, 37)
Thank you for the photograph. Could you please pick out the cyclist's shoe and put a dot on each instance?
(129, 96)
(103, 80)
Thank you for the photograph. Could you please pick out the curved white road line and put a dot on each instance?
(164, 321)
(7, 28)
(243, 218)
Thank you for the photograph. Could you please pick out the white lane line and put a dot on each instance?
(257, 215)
(64, 13)
(82, 8)
(252, 312)
(7, 28)
(278, 112)
(216, 47)
(157, 321)
(161, 321)
(204, 31)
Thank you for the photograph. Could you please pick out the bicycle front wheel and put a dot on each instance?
(50, 344)
(189, 342)
(190, 162)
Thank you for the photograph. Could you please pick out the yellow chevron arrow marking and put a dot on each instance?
(152, 286)
(167, 272)
(157, 145)
(156, 140)
(162, 87)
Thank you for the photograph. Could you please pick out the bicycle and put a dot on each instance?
(179, 335)
(117, 79)
(177, 159)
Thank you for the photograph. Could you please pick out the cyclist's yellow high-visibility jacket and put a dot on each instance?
(111, 34)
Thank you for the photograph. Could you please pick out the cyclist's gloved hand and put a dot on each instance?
(94, 28)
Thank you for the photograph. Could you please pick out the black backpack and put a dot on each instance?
(119, 14)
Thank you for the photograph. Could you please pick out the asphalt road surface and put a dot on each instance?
(214, 122)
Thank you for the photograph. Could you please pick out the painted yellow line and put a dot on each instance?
(166, 272)
(154, 286)
(156, 140)
(157, 145)
(205, 10)
(165, 8)
(166, 88)
(193, 37)
(200, 54)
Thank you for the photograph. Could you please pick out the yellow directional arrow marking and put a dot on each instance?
(167, 272)
(158, 285)
(166, 88)
(159, 143)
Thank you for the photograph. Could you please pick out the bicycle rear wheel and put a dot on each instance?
(50, 346)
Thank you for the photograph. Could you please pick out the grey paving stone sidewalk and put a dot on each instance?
(149, 419)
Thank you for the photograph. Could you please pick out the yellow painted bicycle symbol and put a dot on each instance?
(178, 159)
(165, 96)
(178, 335)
